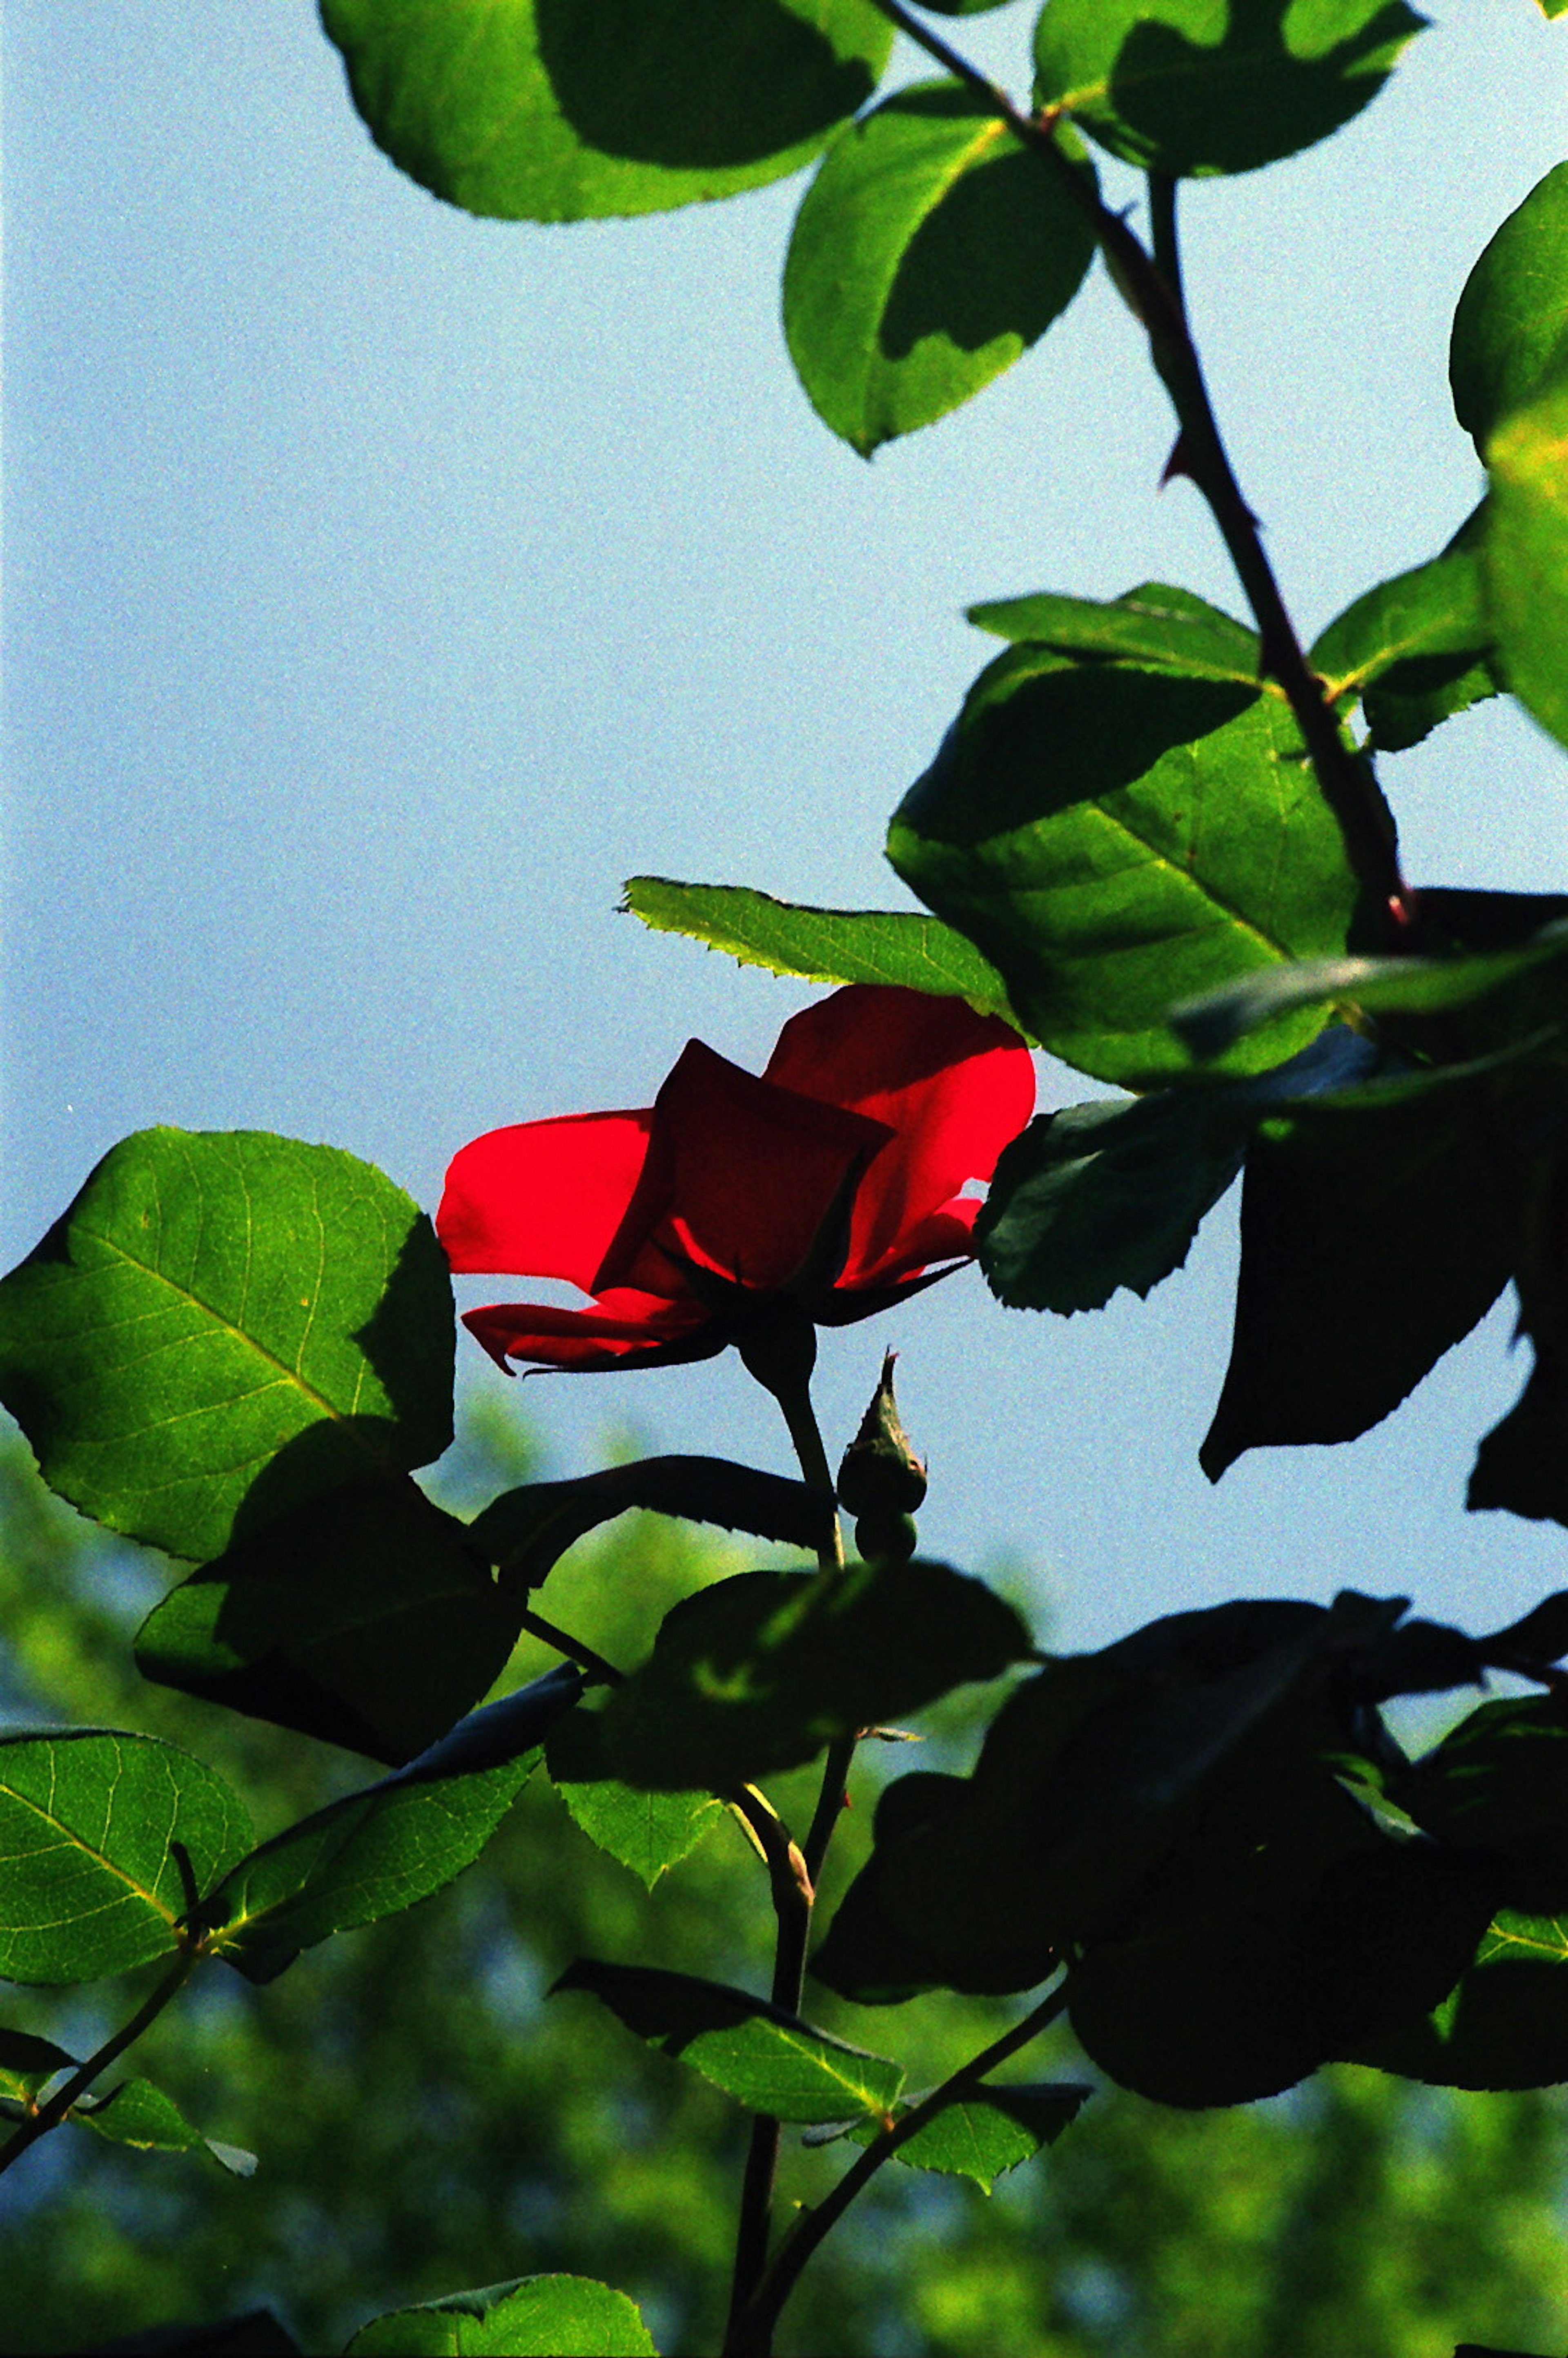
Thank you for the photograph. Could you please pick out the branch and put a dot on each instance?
(1154, 294)
(50, 2115)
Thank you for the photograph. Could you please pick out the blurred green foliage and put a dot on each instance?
(427, 2119)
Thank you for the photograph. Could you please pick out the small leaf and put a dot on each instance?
(1415, 650)
(1153, 625)
(1097, 1196)
(1114, 838)
(760, 1673)
(989, 2132)
(1498, 1783)
(767, 2059)
(531, 2317)
(381, 1850)
(93, 1828)
(223, 1326)
(552, 109)
(138, 2114)
(28, 2063)
(1374, 1237)
(526, 1531)
(1187, 87)
(1503, 2024)
(366, 1619)
(930, 252)
(1510, 327)
(1526, 557)
(649, 1832)
(824, 945)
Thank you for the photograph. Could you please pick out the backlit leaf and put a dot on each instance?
(1156, 625)
(930, 252)
(531, 2317)
(558, 110)
(1510, 326)
(138, 2114)
(1526, 557)
(650, 1832)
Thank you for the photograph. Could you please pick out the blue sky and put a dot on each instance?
(385, 586)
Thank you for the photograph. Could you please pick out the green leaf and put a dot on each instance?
(824, 945)
(989, 2133)
(1526, 555)
(1373, 1238)
(526, 1531)
(930, 252)
(563, 110)
(1115, 839)
(138, 2114)
(1097, 1196)
(767, 2059)
(1505, 2022)
(365, 1618)
(1415, 650)
(1193, 87)
(28, 2063)
(760, 1673)
(531, 2317)
(99, 1833)
(1498, 1783)
(1510, 326)
(381, 1850)
(649, 1832)
(1154, 625)
(224, 1325)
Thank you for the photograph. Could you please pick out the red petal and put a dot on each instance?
(954, 1087)
(543, 1198)
(738, 1179)
(626, 1329)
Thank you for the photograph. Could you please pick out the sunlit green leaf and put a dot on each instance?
(1201, 86)
(647, 1832)
(930, 252)
(881, 946)
(103, 1836)
(531, 2317)
(1154, 625)
(1510, 327)
(378, 1851)
(222, 1325)
(557, 109)
(1114, 838)
(992, 2131)
(1415, 650)
(1526, 556)
(760, 1673)
(767, 2059)
(138, 2114)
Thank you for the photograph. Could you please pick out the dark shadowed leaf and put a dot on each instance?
(27, 2064)
(1098, 1196)
(1182, 86)
(766, 2059)
(224, 1325)
(531, 2317)
(1497, 1785)
(526, 1531)
(930, 252)
(378, 1851)
(1114, 838)
(365, 1618)
(560, 110)
(760, 1673)
(647, 1832)
(100, 1834)
(1373, 1238)
(1504, 2024)
(824, 945)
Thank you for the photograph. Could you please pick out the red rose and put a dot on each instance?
(825, 1191)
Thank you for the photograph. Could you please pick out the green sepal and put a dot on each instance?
(397, 1842)
(223, 1327)
(835, 945)
(764, 2057)
(529, 2317)
(106, 1839)
(758, 1673)
(930, 252)
(583, 108)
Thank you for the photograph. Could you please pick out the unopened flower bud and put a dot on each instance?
(881, 1477)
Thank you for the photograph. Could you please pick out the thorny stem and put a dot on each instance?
(1152, 288)
(794, 1886)
(752, 2334)
(50, 2115)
